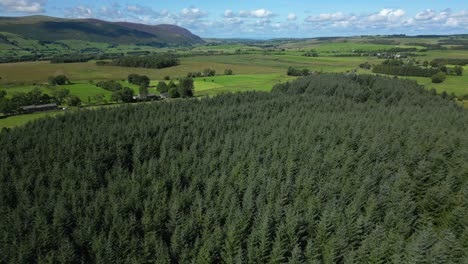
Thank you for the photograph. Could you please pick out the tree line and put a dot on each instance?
(154, 61)
(391, 68)
(292, 71)
(14, 103)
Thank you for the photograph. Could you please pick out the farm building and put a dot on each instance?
(145, 97)
(38, 108)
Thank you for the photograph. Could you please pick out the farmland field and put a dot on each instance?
(237, 83)
(19, 120)
(255, 67)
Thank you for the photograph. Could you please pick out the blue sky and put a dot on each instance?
(265, 19)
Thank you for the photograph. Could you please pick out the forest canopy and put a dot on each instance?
(157, 62)
(329, 168)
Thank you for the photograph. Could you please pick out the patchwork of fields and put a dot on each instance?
(256, 69)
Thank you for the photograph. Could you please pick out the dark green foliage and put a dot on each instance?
(60, 95)
(59, 80)
(393, 62)
(452, 61)
(297, 72)
(3, 93)
(458, 70)
(73, 100)
(138, 79)
(143, 90)
(326, 169)
(185, 88)
(162, 87)
(124, 95)
(438, 77)
(194, 74)
(404, 70)
(365, 65)
(173, 92)
(156, 62)
(35, 97)
(72, 58)
(311, 53)
(209, 72)
(111, 85)
(172, 84)
(228, 72)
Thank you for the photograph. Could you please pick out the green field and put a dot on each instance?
(258, 66)
(237, 83)
(19, 120)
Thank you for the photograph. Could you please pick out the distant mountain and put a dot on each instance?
(165, 31)
(46, 28)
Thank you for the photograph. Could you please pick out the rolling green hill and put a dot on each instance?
(45, 28)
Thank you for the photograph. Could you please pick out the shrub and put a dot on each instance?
(59, 80)
(438, 77)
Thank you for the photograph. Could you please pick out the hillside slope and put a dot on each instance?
(326, 169)
(53, 29)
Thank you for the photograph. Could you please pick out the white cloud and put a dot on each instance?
(451, 22)
(427, 14)
(338, 16)
(228, 13)
(22, 6)
(387, 15)
(146, 13)
(258, 13)
(136, 9)
(264, 23)
(79, 12)
(192, 13)
(292, 16)
(430, 19)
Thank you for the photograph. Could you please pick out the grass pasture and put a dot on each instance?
(263, 67)
(19, 120)
(83, 89)
(453, 84)
(39, 71)
(237, 83)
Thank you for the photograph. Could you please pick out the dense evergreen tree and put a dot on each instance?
(329, 168)
(157, 62)
(72, 58)
(404, 70)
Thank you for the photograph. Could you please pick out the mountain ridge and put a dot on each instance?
(46, 28)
